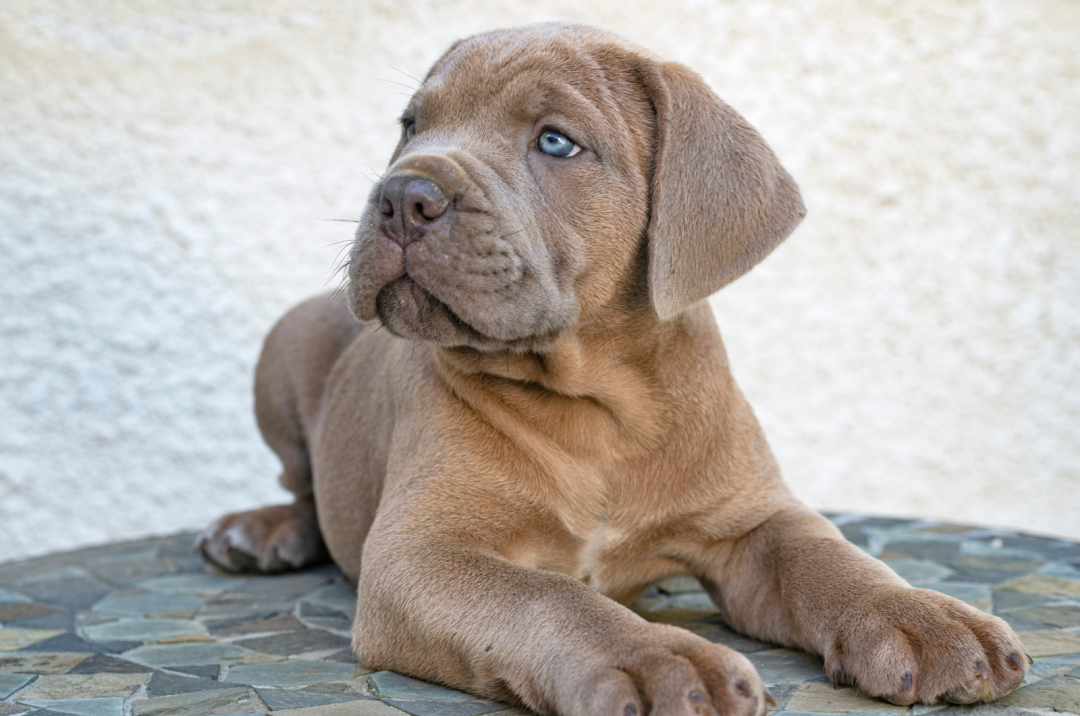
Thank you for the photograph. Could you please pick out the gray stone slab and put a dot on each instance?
(25, 610)
(101, 664)
(936, 550)
(39, 663)
(341, 597)
(784, 666)
(200, 703)
(247, 625)
(296, 642)
(1055, 665)
(143, 629)
(286, 586)
(446, 708)
(10, 683)
(977, 595)
(165, 684)
(1062, 615)
(82, 707)
(245, 606)
(392, 685)
(715, 630)
(84, 686)
(72, 593)
(198, 585)
(14, 709)
(184, 654)
(67, 643)
(1057, 692)
(919, 570)
(1006, 600)
(295, 672)
(278, 699)
(64, 620)
(206, 671)
(7, 597)
(139, 605)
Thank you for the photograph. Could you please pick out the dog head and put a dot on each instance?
(549, 170)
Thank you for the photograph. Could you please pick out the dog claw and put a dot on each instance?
(836, 678)
(629, 710)
(1015, 661)
(1030, 660)
(769, 699)
(908, 683)
(981, 668)
(743, 688)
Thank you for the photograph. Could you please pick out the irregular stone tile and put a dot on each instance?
(941, 551)
(1041, 584)
(164, 684)
(983, 576)
(50, 567)
(1005, 600)
(995, 563)
(142, 629)
(10, 683)
(73, 593)
(1055, 665)
(198, 585)
(817, 698)
(296, 642)
(233, 606)
(693, 600)
(15, 639)
(257, 657)
(24, 610)
(677, 615)
(279, 699)
(87, 686)
(347, 656)
(13, 709)
(680, 585)
(363, 707)
(287, 586)
(241, 626)
(784, 666)
(60, 621)
(81, 707)
(1061, 693)
(67, 642)
(39, 663)
(853, 533)
(199, 703)
(1020, 624)
(358, 685)
(338, 596)
(918, 570)
(1063, 615)
(446, 708)
(183, 654)
(1049, 643)
(977, 595)
(392, 685)
(295, 672)
(186, 639)
(139, 605)
(1050, 548)
(207, 671)
(715, 630)
(323, 617)
(100, 664)
(1059, 569)
(7, 597)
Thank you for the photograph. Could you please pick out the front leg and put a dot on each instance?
(796, 581)
(464, 617)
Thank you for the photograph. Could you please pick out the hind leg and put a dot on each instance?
(289, 381)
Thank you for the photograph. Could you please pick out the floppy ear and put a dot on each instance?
(721, 202)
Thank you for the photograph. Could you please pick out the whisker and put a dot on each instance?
(400, 84)
(346, 221)
(415, 79)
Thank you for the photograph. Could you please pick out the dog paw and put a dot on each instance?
(673, 673)
(908, 646)
(271, 539)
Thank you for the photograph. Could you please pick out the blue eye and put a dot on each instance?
(556, 144)
(410, 129)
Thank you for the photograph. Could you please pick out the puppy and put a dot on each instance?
(531, 417)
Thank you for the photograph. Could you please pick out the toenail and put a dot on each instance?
(1030, 660)
(1016, 662)
(743, 688)
(630, 710)
(769, 699)
(981, 668)
(696, 697)
(907, 682)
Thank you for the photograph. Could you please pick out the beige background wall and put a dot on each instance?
(913, 349)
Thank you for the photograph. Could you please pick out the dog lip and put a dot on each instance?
(431, 299)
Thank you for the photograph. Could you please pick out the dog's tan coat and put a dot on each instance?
(562, 429)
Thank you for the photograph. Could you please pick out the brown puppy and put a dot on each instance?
(548, 425)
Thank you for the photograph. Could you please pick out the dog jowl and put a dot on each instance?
(523, 415)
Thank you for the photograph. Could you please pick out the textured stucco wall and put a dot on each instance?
(913, 349)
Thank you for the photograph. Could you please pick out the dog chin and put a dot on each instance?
(408, 311)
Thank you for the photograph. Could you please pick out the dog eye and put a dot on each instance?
(556, 144)
(410, 129)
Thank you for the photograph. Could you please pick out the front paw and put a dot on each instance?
(667, 671)
(271, 539)
(909, 645)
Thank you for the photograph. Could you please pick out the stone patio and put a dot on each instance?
(146, 628)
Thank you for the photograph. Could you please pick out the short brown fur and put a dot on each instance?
(535, 420)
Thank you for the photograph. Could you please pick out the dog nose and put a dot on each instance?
(409, 205)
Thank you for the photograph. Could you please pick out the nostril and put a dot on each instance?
(387, 208)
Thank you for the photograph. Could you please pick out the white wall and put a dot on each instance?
(913, 349)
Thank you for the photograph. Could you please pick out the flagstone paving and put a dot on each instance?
(147, 628)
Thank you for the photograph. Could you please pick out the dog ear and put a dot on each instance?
(721, 202)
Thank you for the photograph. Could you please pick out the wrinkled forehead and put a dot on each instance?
(527, 74)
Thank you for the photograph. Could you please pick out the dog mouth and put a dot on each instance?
(408, 310)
